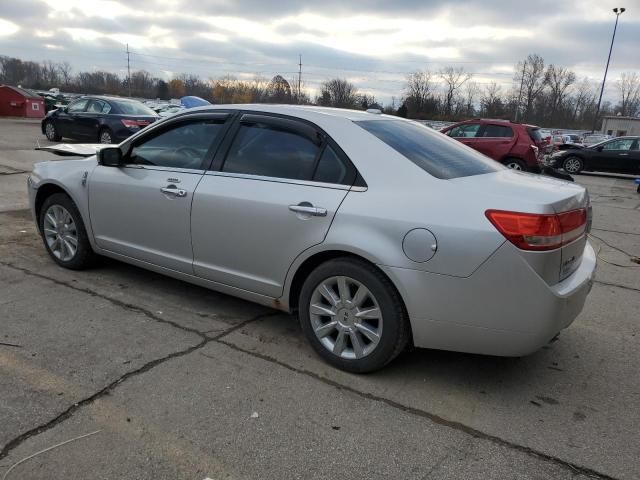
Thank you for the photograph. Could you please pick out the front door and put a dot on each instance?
(615, 155)
(142, 210)
(66, 121)
(275, 196)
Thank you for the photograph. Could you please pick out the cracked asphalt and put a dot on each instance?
(184, 383)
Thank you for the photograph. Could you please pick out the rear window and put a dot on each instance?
(134, 108)
(432, 151)
(535, 134)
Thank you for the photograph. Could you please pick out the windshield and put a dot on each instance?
(133, 108)
(432, 151)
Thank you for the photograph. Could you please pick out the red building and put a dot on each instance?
(18, 102)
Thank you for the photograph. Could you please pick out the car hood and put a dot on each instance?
(75, 149)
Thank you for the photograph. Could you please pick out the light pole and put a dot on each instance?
(618, 12)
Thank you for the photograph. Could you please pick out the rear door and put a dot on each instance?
(271, 195)
(495, 141)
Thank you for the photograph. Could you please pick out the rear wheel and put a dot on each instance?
(573, 164)
(105, 136)
(64, 234)
(515, 164)
(353, 316)
(51, 133)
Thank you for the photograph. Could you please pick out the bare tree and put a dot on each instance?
(583, 100)
(491, 101)
(419, 88)
(453, 79)
(629, 87)
(339, 93)
(472, 90)
(531, 75)
(65, 72)
(559, 80)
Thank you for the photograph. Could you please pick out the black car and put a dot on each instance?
(97, 119)
(619, 155)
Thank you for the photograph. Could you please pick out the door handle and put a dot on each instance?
(623, 154)
(309, 210)
(174, 191)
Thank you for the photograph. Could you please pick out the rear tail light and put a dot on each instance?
(533, 231)
(135, 123)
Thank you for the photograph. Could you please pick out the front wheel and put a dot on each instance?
(64, 234)
(572, 164)
(51, 133)
(353, 316)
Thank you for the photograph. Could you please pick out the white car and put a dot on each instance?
(378, 232)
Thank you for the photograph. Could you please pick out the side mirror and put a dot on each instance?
(111, 157)
(599, 148)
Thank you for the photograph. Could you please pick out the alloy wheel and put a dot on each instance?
(514, 166)
(572, 165)
(60, 233)
(50, 131)
(346, 317)
(105, 137)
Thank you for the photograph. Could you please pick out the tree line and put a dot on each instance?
(547, 95)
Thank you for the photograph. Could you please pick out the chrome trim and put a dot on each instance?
(262, 178)
(164, 169)
(358, 189)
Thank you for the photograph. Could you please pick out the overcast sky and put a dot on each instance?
(373, 43)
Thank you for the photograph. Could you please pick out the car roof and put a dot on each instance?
(308, 112)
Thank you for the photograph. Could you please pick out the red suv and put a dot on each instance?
(516, 145)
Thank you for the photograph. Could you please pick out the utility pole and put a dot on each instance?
(299, 76)
(618, 12)
(524, 66)
(128, 71)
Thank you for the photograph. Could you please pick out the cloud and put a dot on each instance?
(375, 43)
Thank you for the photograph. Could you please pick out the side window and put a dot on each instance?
(497, 131)
(622, 144)
(331, 169)
(183, 146)
(98, 106)
(467, 130)
(77, 106)
(261, 149)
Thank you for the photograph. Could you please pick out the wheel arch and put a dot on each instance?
(308, 264)
(44, 191)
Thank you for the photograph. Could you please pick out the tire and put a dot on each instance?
(515, 164)
(392, 327)
(573, 164)
(105, 136)
(51, 133)
(53, 209)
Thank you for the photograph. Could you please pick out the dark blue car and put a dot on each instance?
(97, 119)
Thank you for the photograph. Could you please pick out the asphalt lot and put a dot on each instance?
(184, 383)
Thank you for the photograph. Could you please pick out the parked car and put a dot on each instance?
(589, 140)
(572, 139)
(619, 155)
(97, 119)
(515, 145)
(378, 232)
(169, 109)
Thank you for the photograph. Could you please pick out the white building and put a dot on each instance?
(618, 126)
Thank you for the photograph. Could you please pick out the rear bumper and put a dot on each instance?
(504, 308)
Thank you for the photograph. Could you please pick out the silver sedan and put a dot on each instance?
(378, 232)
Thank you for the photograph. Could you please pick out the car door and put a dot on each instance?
(614, 155)
(262, 205)
(466, 133)
(142, 210)
(68, 116)
(90, 120)
(495, 141)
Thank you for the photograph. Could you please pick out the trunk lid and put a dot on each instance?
(512, 191)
